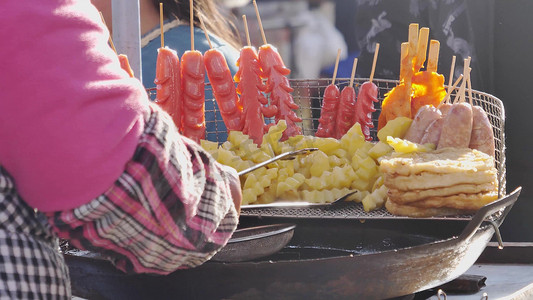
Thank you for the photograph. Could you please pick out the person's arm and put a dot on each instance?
(88, 149)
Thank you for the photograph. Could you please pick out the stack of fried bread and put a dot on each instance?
(447, 181)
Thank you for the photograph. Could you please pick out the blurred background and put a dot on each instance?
(495, 33)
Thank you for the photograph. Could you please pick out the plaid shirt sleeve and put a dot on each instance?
(171, 208)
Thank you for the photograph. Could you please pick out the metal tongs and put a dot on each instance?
(284, 156)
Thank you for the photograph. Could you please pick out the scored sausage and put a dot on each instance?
(345, 111)
(250, 86)
(364, 107)
(425, 115)
(457, 127)
(482, 137)
(277, 84)
(224, 90)
(193, 84)
(330, 102)
(167, 81)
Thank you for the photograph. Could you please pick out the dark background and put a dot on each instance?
(513, 64)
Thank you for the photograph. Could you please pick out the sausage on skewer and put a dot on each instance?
(167, 81)
(224, 89)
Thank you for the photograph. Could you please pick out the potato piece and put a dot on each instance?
(395, 128)
(327, 145)
(405, 146)
(380, 149)
(208, 145)
(376, 199)
(320, 163)
(248, 196)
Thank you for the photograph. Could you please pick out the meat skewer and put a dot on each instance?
(346, 109)
(368, 94)
(277, 84)
(168, 81)
(330, 102)
(250, 86)
(223, 86)
(192, 81)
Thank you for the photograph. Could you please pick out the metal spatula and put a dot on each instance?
(284, 156)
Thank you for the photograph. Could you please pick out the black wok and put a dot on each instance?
(335, 259)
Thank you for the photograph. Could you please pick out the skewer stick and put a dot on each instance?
(452, 69)
(336, 66)
(161, 25)
(374, 62)
(206, 34)
(433, 57)
(191, 21)
(246, 30)
(452, 87)
(403, 61)
(469, 84)
(110, 40)
(260, 23)
(413, 39)
(422, 48)
(354, 66)
(460, 97)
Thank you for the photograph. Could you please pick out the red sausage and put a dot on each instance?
(364, 107)
(345, 112)
(250, 87)
(425, 115)
(482, 137)
(457, 127)
(167, 81)
(224, 89)
(326, 123)
(192, 81)
(278, 86)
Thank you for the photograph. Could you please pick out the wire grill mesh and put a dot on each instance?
(308, 95)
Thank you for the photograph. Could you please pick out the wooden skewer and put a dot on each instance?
(433, 57)
(354, 66)
(161, 21)
(206, 34)
(461, 95)
(452, 69)
(374, 62)
(110, 40)
(452, 87)
(469, 84)
(246, 30)
(469, 87)
(191, 8)
(403, 58)
(260, 23)
(413, 39)
(422, 48)
(336, 66)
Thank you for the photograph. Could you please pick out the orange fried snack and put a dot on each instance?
(396, 104)
(428, 89)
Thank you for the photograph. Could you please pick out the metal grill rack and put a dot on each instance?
(308, 95)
